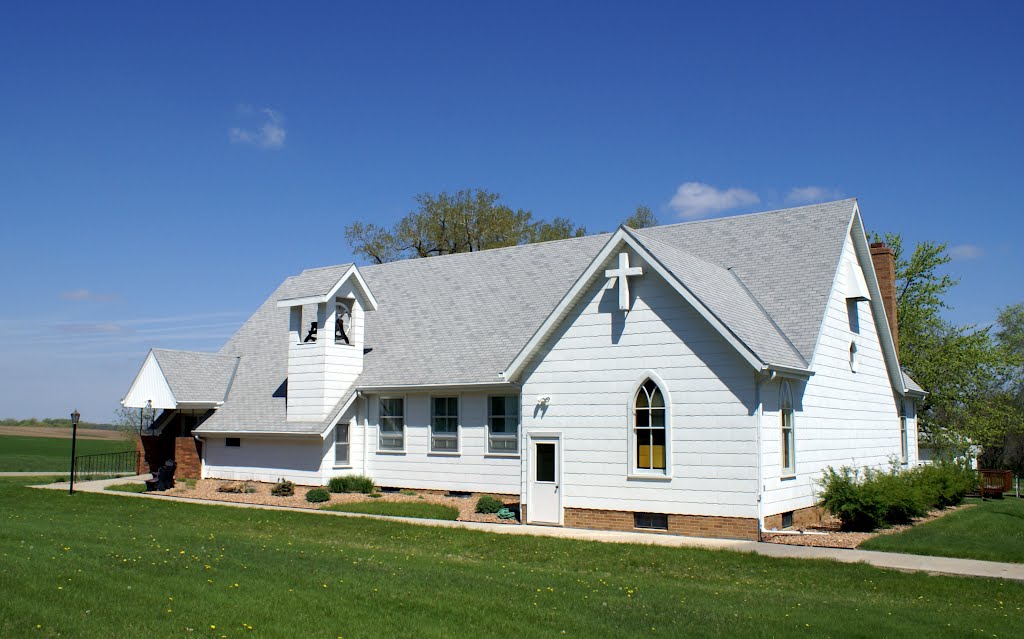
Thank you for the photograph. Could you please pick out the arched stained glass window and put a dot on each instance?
(649, 426)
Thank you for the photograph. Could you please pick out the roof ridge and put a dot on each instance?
(490, 250)
(753, 214)
(181, 350)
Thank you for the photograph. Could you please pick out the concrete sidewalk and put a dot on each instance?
(893, 561)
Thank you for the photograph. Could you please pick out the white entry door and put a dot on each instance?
(545, 506)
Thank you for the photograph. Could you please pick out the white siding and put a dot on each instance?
(842, 417)
(305, 461)
(590, 369)
(150, 385)
(321, 372)
(472, 469)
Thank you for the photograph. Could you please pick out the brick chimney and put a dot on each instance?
(885, 269)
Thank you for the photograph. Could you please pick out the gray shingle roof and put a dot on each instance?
(787, 259)
(315, 282)
(725, 296)
(462, 319)
(196, 377)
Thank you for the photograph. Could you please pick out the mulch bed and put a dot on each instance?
(206, 489)
(833, 537)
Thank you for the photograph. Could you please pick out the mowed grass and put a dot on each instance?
(419, 510)
(992, 530)
(103, 565)
(127, 488)
(48, 454)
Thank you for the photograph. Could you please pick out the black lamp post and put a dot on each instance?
(74, 436)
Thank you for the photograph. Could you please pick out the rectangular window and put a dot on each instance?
(392, 423)
(788, 443)
(787, 519)
(341, 445)
(546, 463)
(233, 442)
(503, 424)
(650, 521)
(444, 424)
(903, 432)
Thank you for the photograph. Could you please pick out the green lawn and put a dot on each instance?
(991, 530)
(48, 454)
(417, 509)
(127, 488)
(102, 565)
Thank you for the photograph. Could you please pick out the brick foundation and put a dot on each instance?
(801, 518)
(689, 525)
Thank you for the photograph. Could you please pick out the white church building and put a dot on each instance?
(694, 378)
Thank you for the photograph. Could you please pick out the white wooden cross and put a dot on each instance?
(623, 273)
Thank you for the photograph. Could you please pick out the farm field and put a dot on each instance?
(992, 530)
(49, 454)
(103, 565)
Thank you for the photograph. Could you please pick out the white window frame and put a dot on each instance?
(904, 430)
(503, 436)
(650, 428)
(381, 446)
(787, 430)
(648, 474)
(454, 437)
(339, 428)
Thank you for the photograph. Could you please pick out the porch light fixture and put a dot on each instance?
(75, 416)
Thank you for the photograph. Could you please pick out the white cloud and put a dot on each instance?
(966, 252)
(269, 135)
(812, 194)
(696, 199)
(85, 295)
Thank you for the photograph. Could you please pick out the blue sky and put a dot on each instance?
(164, 166)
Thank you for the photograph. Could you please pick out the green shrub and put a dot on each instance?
(283, 488)
(408, 493)
(945, 483)
(375, 495)
(872, 500)
(351, 484)
(489, 505)
(318, 495)
(867, 501)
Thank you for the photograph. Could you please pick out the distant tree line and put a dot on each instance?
(58, 422)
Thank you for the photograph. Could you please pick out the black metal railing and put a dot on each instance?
(106, 464)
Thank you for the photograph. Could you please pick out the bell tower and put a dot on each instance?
(325, 335)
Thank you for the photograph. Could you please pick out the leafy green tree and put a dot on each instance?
(466, 221)
(559, 228)
(642, 218)
(963, 368)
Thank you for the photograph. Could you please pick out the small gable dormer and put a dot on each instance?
(325, 334)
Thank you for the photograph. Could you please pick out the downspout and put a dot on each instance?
(758, 380)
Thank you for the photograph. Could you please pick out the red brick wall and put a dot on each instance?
(801, 518)
(186, 454)
(689, 525)
(885, 269)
